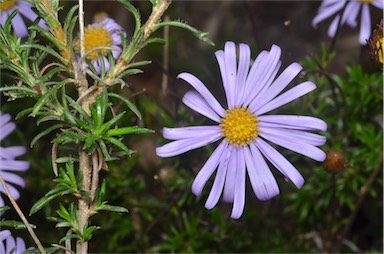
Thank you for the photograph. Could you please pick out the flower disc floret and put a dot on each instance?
(96, 37)
(6, 5)
(239, 126)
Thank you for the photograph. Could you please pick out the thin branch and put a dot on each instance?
(22, 216)
(81, 24)
(164, 82)
(360, 201)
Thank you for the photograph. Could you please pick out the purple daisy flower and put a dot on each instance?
(9, 244)
(102, 34)
(24, 9)
(243, 127)
(352, 9)
(8, 161)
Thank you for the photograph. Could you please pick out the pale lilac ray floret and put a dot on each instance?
(99, 39)
(24, 10)
(9, 244)
(9, 164)
(244, 129)
(350, 14)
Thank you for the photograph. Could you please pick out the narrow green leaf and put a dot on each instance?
(135, 14)
(199, 34)
(130, 105)
(14, 224)
(42, 202)
(22, 89)
(129, 130)
(47, 49)
(45, 132)
(43, 99)
(111, 208)
(119, 144)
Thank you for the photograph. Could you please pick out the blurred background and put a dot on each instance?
(329, 214)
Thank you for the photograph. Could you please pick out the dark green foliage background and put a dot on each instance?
(164, 216)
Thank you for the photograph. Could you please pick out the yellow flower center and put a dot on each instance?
(366, 1)
(93, 38)
(7, 4)
(239, 126)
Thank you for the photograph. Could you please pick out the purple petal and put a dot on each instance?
(328, 11)
(281, 163)
(239, 197)
(12, 152)
(4, 118)
(25, 9)
(190, 132)
(218, 184)
(244, 62)
(14, 192)
(10, 244)
(295, 145)
(208, 169)
(277, 86)
(378, 3)
(19, 26)
(6, 129)
(220, 57)
(20, 245)
(3, 17)
(287, 97)
(204, 92)
(265, 76)
(13, 179)
(184, 145)
(350, 14)
(365, 26)
(230, 67)
(229, 187)
(262, 180)
(4, 234)
(333, 27)
(14, 165)
(197, 103)
(254, 76)
(295, 135)
(292, 122)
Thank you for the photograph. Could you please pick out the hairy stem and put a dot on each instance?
(84, 201)
(22, 216)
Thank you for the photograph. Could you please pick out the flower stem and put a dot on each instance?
(22, 217)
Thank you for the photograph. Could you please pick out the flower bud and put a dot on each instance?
(334, 162)
(376, 44)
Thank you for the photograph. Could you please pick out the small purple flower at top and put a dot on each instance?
(244, 128)
(98, 37)
(351, 11)
(24, 9)
(9, 244)
(8, 162)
